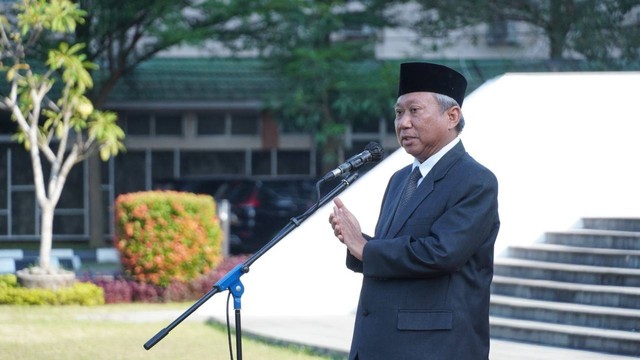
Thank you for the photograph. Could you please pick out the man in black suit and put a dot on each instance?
(427, 270)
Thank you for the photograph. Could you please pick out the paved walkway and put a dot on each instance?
(332, 334)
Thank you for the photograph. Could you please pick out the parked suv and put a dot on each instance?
(260, 206)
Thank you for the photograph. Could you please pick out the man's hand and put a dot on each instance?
(347, 229)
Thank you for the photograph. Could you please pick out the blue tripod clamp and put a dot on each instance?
(232, 282)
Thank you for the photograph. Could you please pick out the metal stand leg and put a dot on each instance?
(237, 289)
(238, 335)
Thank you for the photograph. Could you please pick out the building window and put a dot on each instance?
(168, 125)
(261, 163)
(22, 170)
(64, 224)
(7, 126)
(162, 165)
(244, 124)
(23, 206)
(130, 175)
(500, 33)
(213, 123)
(212, 163)
(293, 162)
(138, 124)
(143, 124)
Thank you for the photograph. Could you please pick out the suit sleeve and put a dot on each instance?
(352, 262)
(434, 242)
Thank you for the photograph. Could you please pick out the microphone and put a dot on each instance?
(372, 152)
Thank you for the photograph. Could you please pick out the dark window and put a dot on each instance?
(138, 124)
(130, 173)
(212, 163)
(68, 224)
(104, 170)
(22, 171)
(211, 124)
(108, 207)
(3, 177)
(72, 194)
(293, 162)
(7, 126)
(169, 125)
(244, 124)
(4, 229)
(23, 205)
(261, 163)
(161, 164)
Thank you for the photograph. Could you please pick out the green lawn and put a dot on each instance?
(75, 332)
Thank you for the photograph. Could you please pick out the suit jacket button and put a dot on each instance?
(365, 313)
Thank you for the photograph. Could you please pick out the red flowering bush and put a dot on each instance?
(167, 236)
(120, 290)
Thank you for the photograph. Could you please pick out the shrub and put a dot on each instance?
(118, 290)
(166, 236)
(79, 294)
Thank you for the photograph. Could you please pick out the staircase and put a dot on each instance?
(578, 289)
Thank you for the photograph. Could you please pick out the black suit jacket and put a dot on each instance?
(427, 270)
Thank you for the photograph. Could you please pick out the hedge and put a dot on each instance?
(167, 236)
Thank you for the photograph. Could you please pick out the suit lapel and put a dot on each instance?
(391, 200)
(398, 217)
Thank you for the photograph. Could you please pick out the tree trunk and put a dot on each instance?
(96, 203)
(46, 235)
(558, 28)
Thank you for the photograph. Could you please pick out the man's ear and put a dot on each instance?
(453, 116)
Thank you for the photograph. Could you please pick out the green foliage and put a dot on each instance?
(166, 236)
(330, 77)
(8, 281)
(136, 31)
(60, 126)
(69, 71)
(79, 294)
(600, 31)
(56, 15)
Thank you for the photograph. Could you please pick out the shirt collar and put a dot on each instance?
(428, 164)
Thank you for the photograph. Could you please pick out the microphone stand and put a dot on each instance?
(231, 281)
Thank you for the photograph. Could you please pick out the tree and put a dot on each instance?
(56, 121)
(122, 34)
(597, 30)
(323, 51)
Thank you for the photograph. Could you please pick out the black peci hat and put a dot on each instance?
(422, 76)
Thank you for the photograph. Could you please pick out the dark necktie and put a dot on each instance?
(411, 187)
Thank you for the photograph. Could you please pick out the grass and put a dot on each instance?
(75, 332)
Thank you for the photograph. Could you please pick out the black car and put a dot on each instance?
(260, 208)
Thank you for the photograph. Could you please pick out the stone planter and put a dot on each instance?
(38, 278)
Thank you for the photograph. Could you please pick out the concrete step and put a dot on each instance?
(576, 337)
(608, 239)
(581, 274)
(587, 294)
(568, 314)
(576, 255)
(621, 224)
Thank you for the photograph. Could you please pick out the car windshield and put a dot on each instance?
(235, 191)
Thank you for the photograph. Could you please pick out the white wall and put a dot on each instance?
(562, 145)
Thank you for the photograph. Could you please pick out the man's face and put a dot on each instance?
(421, 126)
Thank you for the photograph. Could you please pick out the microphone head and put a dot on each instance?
(376, 151)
